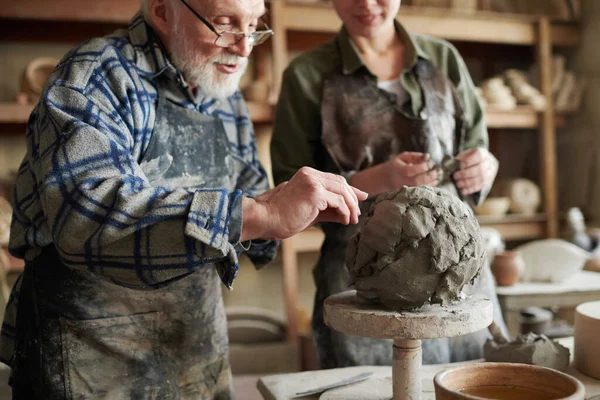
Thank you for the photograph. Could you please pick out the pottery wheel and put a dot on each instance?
(353, 315)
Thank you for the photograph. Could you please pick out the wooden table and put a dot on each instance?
(284, 386)
(580, 288)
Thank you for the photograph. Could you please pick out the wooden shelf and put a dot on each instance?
(113, 11)
(12, 113)
(485, 27)
(522, 117)
(517, 227)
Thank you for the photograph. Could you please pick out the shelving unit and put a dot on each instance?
(12, 113)
(296, 23)
(522, 117)
(263, 113)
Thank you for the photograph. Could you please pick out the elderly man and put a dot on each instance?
(139, 189)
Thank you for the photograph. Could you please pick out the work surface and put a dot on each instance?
(284, 386)
(582, 287)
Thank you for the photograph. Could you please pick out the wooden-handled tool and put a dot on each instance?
(497, 333)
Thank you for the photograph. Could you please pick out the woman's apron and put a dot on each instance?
(362, 127)
(83, 337)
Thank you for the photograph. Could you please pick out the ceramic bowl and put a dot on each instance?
(493, 206)
(506, 381)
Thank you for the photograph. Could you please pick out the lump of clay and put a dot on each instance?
(417, 245)
(529, 349)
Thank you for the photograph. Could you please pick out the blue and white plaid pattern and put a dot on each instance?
(81, 188)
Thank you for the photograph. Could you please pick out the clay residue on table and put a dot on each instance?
(529, 349)
(417, 245)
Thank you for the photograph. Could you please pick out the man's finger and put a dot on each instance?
(329, 215)
(339, 181)
(348, 195)
(362, 196)
(338, 203)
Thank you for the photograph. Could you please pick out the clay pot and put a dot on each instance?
(35, 75)
(525, 196)
(508, 267)
(506, 381)
(593, 264)
(587, 340)
(493, 206)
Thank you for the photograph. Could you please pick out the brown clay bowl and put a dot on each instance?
(506, 381)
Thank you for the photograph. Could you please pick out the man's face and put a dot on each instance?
(215, 70)
(366, 18)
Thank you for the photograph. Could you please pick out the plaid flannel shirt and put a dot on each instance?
(80, 186)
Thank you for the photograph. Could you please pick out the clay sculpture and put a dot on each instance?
(418, 245)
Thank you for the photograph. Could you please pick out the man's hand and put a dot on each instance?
(411, 169)
(291, 207)
(478, 168)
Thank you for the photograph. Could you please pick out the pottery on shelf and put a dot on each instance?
(493, 206)
(551, 260)
(35, 75)
(593, 264)
(525, 196)
(508, 267)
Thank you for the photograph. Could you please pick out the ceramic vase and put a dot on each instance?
(508, 267)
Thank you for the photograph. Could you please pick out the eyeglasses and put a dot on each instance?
(227, 39)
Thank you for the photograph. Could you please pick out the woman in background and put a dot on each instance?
(384, 108)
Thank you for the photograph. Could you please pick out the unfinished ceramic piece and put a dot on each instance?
(524, 92)
(587, 340)
(531, 349)
(417, 245)
(497, 95)
(551, 260)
